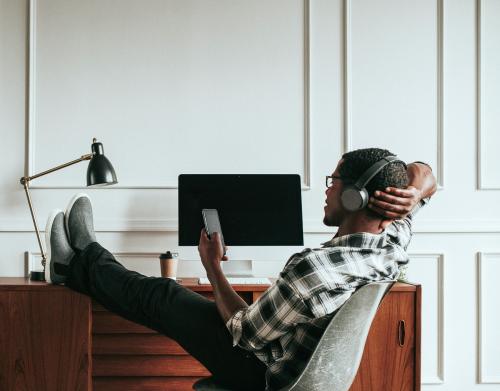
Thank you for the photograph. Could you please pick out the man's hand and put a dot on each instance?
(228, 302)
(211, 251)
(394, 203)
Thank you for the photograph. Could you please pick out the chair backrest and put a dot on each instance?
(335, 361)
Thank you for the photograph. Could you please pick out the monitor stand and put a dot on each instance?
(238, 268)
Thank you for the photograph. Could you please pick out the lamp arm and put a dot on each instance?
(33, 217)
(25, 182)
(26, 179)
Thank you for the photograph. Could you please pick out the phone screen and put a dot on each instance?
(212, 223)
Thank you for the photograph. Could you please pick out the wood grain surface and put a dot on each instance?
(47, 335)
(105, 322)
(144, 383)
(129, 365)
(135, 344)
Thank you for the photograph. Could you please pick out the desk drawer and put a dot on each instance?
(130, 365)
(144, 383)
(127, 356)
(135, 344)
(105, 322)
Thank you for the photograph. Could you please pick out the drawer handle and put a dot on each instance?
(401, 332)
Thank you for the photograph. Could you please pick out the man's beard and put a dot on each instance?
(328, 221)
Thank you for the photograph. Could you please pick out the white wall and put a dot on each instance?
(270, 86)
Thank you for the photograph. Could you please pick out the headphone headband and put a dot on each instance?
(374, 170)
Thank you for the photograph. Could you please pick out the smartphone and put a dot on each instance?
(212, 224)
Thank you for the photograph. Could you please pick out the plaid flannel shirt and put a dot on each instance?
(284, 325)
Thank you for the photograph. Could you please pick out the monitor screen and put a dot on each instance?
(254, 209)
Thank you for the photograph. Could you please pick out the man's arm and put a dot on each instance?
(252, 327)
(227, 300)
(421, 177)
(211, 253)
(394, 203)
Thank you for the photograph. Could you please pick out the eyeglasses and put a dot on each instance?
(330, 178)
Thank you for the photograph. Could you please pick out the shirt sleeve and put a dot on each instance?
(400, 231)
(278, 310)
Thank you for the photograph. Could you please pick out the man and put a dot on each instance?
(267, 344)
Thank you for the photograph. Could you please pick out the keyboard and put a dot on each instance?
(239, 281)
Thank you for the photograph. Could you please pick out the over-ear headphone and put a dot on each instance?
(355, 197)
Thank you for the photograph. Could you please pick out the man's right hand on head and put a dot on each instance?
(394, 203)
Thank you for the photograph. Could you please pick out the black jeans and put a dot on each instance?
(169, 308)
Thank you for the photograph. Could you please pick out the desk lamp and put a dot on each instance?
(100, 172)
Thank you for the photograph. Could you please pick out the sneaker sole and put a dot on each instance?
(48, 230)
(68, 210)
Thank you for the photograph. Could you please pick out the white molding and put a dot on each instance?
(479, 110)
(346, 84)
(479, 185)
(32, 262)
(306, 180)
(439, 258)
(440, 95)
(168, 225)
(482, 377)
(33, 259)
(32, 86)
(432, 380)
(479, 157)
(307, 96)
(88, 189)
(310, 226)
(448, 226)
(457, 226)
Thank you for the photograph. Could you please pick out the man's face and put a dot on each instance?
(334, 212)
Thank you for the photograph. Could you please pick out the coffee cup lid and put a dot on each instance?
(168, 255)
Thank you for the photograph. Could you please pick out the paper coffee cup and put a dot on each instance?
(168, 265)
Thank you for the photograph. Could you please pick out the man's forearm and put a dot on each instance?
(421, 177)
(227, 300)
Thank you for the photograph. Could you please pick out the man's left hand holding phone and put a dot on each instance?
(212, 252)
(211, 246)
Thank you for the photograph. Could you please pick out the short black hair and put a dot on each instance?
(355, 163)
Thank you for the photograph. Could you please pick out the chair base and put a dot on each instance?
(208, 384)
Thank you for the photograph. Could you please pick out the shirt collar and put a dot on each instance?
(358, 239)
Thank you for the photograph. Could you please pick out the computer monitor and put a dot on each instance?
(254, 209)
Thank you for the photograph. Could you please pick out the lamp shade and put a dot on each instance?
(100, 171)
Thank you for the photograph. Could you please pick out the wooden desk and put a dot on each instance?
(45, 337)
(54, 338)
(127, 356)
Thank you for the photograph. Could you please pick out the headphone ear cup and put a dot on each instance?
(365, 196)
(354, 199)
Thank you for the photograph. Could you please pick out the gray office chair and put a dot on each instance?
(335, 361)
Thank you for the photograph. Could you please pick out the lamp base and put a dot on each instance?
(37, 276)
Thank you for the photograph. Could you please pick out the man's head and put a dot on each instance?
(349, 169)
